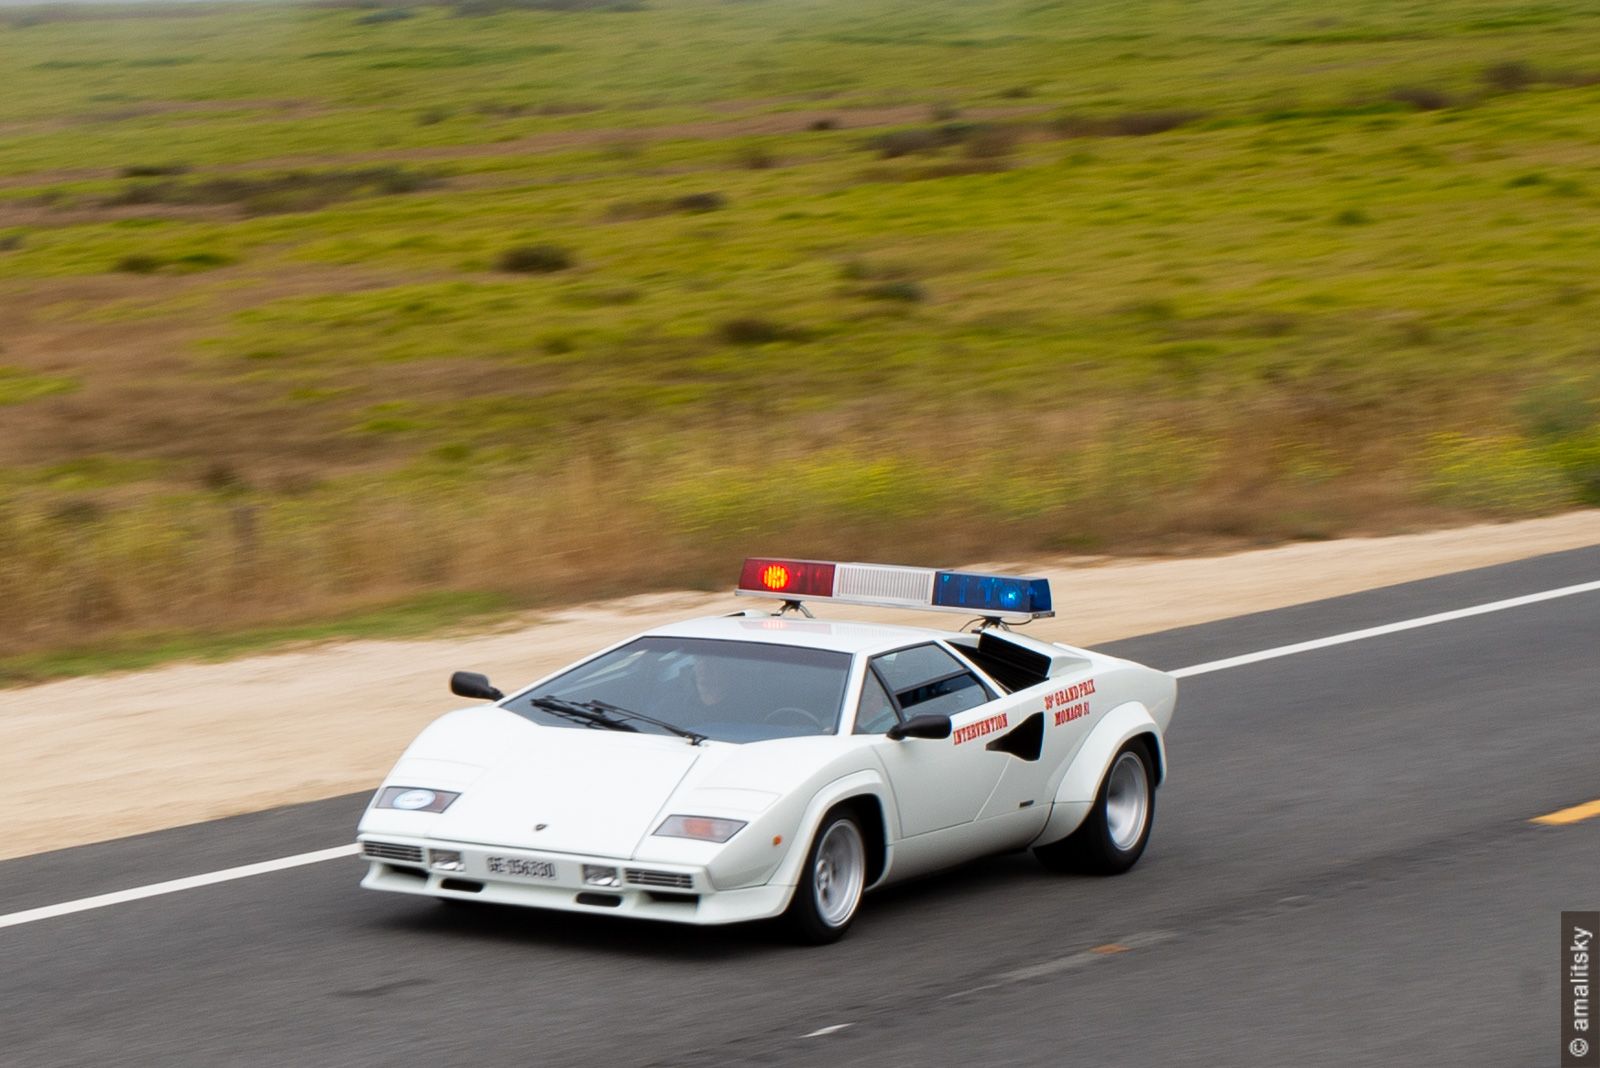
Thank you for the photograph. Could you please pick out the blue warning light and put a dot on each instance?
(991, 594)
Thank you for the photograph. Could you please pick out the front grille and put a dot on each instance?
(409, 854)
(646, 877)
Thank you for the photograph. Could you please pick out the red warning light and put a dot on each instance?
(796, 578)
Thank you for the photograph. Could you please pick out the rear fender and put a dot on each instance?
(1081, 785)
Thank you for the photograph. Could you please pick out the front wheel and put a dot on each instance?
(1113, 835)
(831, 883)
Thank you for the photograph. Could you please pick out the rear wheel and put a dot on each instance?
(831, 883)
(1113, 835)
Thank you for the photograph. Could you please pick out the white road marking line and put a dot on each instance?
(264, 867)
(1387, 628)
(245, 871)
(830, 1029)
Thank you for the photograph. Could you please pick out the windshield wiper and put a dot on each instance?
(582, 713)
(617, 710)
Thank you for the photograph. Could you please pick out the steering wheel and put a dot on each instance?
(791, 713)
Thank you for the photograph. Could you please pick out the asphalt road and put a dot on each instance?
(1343, 872)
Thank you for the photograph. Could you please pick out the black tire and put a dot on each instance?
(827, 898)
(1093, 848)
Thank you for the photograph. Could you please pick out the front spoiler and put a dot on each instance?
(700, 903)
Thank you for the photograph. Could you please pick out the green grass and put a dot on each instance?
(918, 280)
(18, 386)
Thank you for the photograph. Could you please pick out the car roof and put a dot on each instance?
(845, 636)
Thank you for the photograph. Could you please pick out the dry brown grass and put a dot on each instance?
(604, 522)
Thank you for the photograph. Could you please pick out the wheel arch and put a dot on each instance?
(1081, 783)
(862, 792)
(873, 821)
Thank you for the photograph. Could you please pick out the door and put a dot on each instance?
(938, 783)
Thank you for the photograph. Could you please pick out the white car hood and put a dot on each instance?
(569, 791)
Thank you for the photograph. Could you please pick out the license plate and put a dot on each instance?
(526, 869)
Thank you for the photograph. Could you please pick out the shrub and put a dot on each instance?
(1128, 124)
(752, 330)
(1509, 77)
(79, 512)
(184, 263)
(272, 193)
(818, 125)
(1352, 217)
(756, 158)
(200, 261)
(393, 14)
(11, 242)
(471, 8)
(1151, 311)
(219, 476)
(905, 290)
(153, 170)
(688, 204)
(898, 143)
(1145, 123)
(535, 259)
(981, 139)
(1422, 98)
(600, 296)
(698, 203)
(992, 142)
(138, 263)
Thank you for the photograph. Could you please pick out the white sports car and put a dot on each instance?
(772, 764)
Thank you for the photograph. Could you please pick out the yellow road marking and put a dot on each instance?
(1570, 815)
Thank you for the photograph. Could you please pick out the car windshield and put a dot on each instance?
(729, 691)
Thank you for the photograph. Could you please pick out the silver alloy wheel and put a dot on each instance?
(1127, 801)
(839, 873)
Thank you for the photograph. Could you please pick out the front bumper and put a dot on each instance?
(648, 890)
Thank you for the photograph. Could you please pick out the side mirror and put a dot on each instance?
(926, 726)
(472, 684)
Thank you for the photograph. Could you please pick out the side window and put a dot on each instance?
(928, 680)
(876, 713)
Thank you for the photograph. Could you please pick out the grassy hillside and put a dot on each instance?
(310, 309)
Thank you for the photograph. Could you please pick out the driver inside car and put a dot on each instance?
(723, 690)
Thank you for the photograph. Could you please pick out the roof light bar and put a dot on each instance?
(789, 579)
(889, 586)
